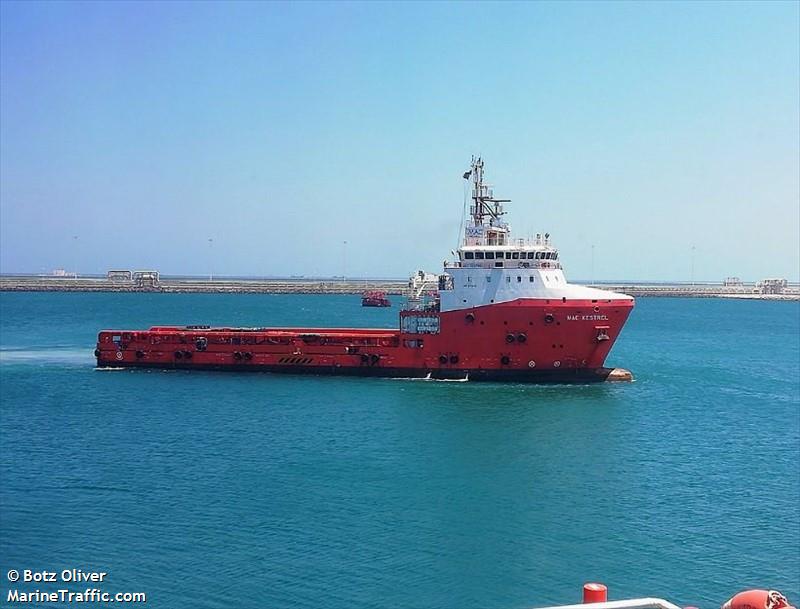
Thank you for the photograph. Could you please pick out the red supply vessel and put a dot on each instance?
(501, 310)
(375, 298)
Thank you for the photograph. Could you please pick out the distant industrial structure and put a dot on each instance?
(772, 286)
(146, 279)
(119, 276)
(141, 279)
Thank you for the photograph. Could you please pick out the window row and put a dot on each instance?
(510, 255)
(508, 279)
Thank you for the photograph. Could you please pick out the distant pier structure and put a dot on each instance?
(140, 279)
(146, 279)
(772, 286)
(119, 276)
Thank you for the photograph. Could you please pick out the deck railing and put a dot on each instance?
(634, 603)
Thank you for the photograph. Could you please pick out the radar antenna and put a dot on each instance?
(485, 207)
(484, 204)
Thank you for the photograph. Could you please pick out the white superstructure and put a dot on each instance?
(491, 267)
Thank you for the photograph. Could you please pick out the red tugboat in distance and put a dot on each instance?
(375, 298)
(501, 310)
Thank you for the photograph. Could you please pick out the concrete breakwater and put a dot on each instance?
(32, 283)
(184, 285)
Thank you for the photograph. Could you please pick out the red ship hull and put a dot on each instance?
(527, 340)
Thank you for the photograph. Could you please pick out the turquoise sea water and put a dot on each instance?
(251, 490)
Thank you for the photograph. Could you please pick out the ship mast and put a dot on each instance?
(484, 207)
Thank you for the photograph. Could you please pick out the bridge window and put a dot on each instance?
(508, 255)
(489, 255)
(555, 255)
(478, 255)
(469, 255)
(531, 255)
(538, 255)
(515, 255)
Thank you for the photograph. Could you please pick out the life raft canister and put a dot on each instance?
(758, 599)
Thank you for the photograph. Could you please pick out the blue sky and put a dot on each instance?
(283, 130)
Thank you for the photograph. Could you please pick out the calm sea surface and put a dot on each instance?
(211, 489)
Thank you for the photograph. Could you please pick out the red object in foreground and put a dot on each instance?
(375, 298)
(595, 593)
(758, 599)
(502, 310)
